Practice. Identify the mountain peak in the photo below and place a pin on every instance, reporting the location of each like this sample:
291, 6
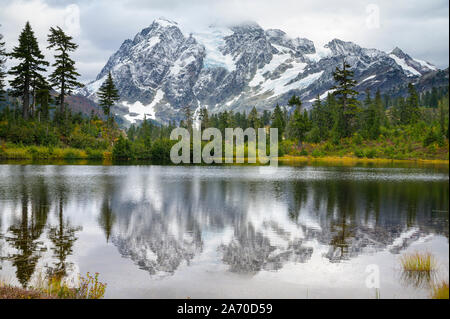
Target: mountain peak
246, 25
339, 47
275, 33
165, 22
399, 53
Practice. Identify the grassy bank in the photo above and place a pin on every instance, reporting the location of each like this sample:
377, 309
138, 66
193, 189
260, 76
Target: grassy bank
15, 152
346, 153
385, 149
55, 287
352, 160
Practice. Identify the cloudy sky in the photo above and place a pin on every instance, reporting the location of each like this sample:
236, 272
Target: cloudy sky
418, 27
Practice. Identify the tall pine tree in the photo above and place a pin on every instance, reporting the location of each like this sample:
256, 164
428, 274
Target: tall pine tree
412, 105
188, 118
64, 77
203, 116
347, 104
43, 99
371, 118
320, 116
31, 64
299, 123
108, 95
278, 122
253, 119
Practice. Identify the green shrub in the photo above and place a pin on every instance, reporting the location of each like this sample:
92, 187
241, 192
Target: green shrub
286, 147
357, 139
359, 153
328, 147
317, 153
140, 150
122, 149
371, 153
313, 136
94, 154
41, 152
71, 153
161, 150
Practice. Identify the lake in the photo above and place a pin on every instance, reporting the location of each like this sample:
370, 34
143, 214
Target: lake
225, 231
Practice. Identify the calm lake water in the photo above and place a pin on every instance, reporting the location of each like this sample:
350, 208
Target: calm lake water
224, 231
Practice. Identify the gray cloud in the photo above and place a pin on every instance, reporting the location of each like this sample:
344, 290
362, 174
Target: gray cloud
420, 28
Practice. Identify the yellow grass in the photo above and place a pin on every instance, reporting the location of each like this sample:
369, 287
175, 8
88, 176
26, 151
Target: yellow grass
418, 262
354, 160
89, 287
440, 291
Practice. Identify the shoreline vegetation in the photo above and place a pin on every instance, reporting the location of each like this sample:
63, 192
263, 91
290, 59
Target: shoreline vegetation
346, 153
56, 287
67, 154
63, 156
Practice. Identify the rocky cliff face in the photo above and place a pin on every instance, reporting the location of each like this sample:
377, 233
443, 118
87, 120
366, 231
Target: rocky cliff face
163, 69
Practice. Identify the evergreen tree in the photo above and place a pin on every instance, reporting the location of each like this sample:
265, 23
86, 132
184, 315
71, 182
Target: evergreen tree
320, 116
131, 132
253, 119
348, 105
31, 64
64, 77
2, 68
403, 111
225, 120
368, 99
331, 106
145, 132
188, 118
434, 97
203, 116
38, 83
43, 99
412, 106
266, 118
108, 95
299, 123
380, 108
371, 118
278, 122
295, 101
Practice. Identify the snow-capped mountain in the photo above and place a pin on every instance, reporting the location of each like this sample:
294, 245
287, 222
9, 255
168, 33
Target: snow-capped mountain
235, 68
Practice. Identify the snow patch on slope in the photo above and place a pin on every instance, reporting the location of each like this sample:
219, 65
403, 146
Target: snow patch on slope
280, 85
138, 111
323, 95
368, 78
180, 64
93, 87
321, 52
401, 62
213, 40
426, 64
277, 60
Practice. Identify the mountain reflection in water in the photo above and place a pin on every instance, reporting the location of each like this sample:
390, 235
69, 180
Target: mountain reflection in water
161, 217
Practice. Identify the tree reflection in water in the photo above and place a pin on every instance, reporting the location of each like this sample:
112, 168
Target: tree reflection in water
63, 238
164, 217
26, 229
